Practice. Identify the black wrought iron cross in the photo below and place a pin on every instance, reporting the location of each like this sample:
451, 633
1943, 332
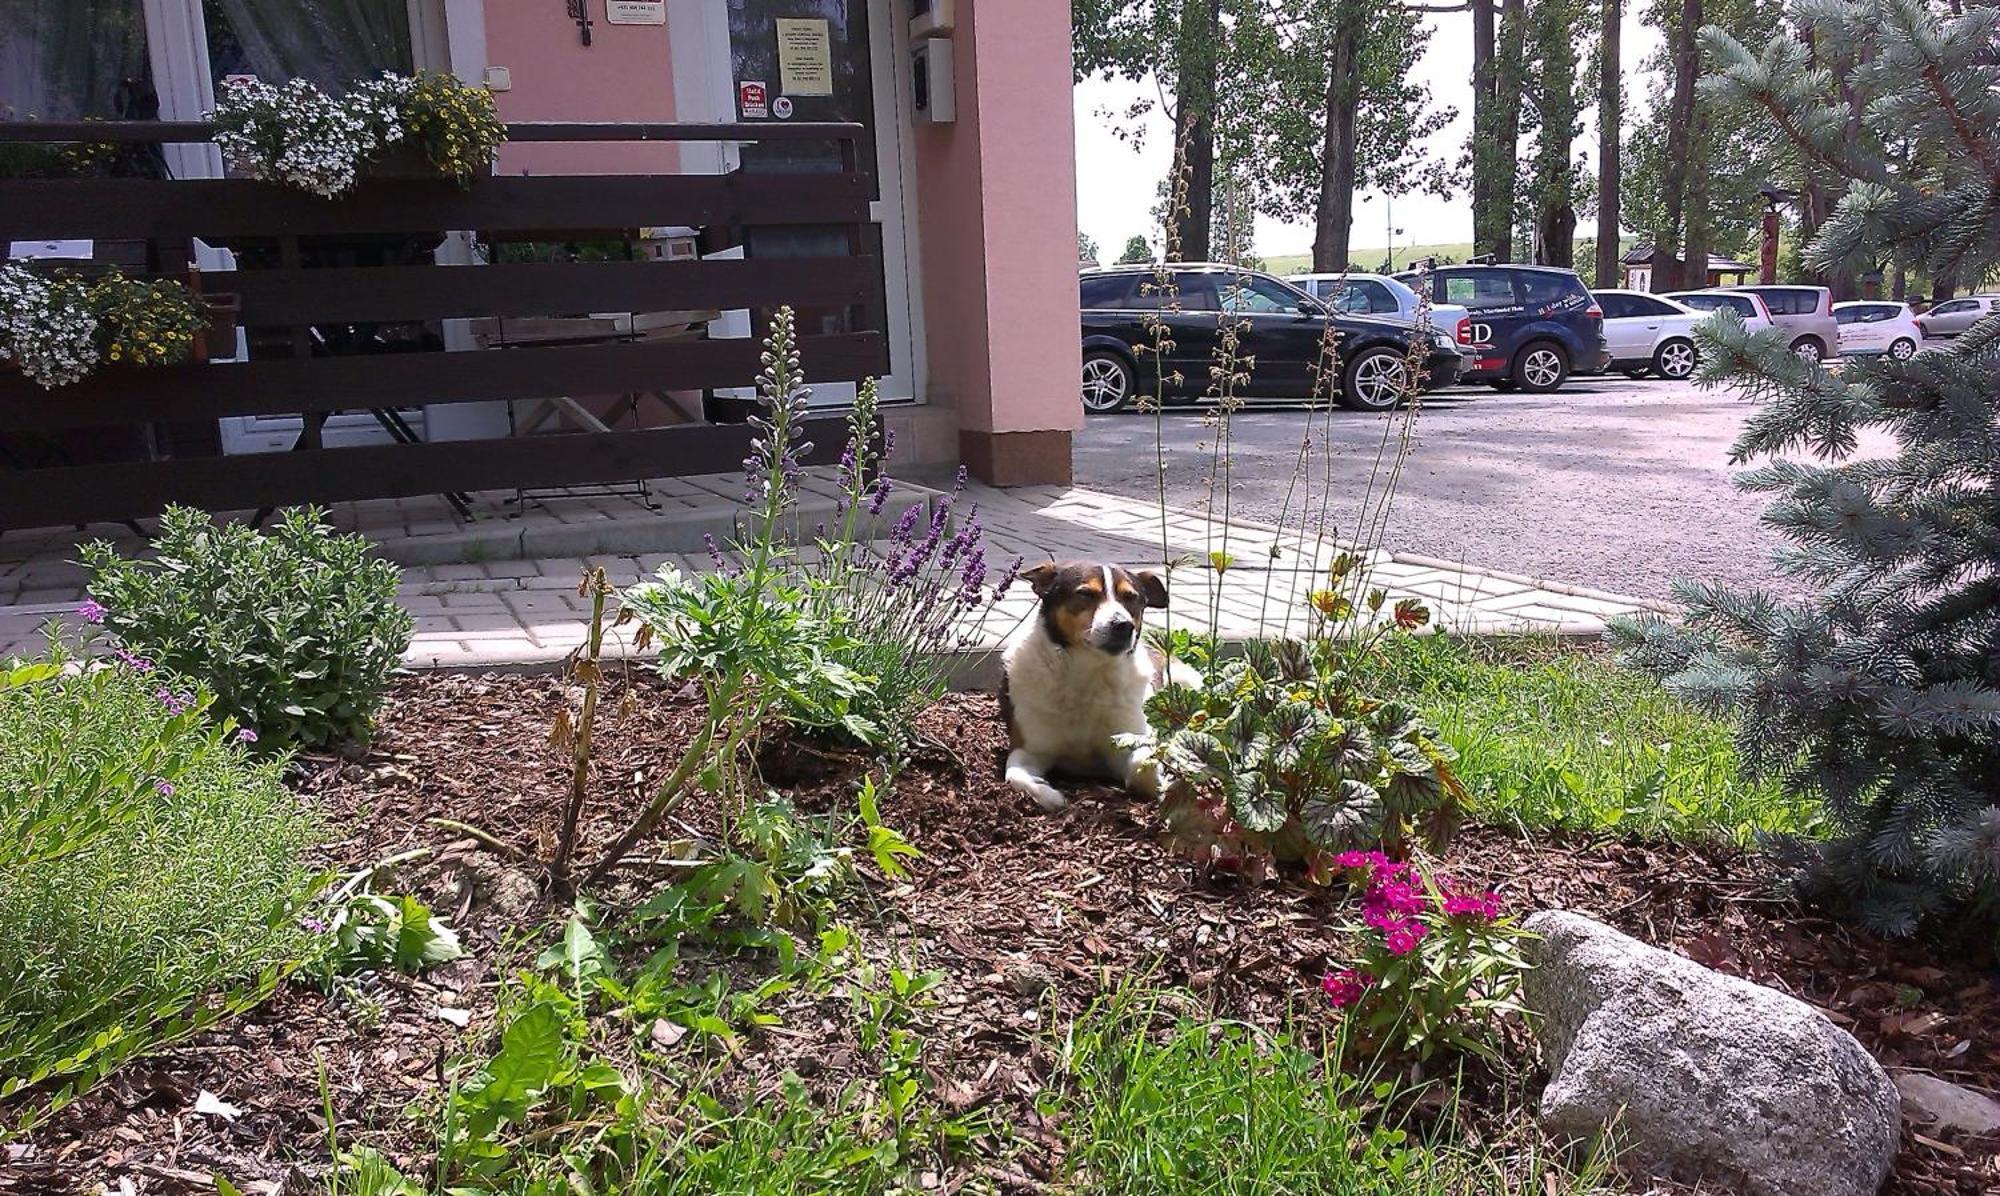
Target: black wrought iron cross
579, 11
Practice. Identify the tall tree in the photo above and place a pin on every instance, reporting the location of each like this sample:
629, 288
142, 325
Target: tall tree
1668, 272
1610, 136
1339, 115
1184, 47
1555, 29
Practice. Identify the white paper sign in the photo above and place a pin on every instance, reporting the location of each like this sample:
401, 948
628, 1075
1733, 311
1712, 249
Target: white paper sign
636, 12
805, 57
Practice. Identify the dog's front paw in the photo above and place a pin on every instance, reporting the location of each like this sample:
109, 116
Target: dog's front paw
1047, 796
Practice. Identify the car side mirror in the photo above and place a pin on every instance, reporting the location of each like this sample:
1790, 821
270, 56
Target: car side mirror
1310, 307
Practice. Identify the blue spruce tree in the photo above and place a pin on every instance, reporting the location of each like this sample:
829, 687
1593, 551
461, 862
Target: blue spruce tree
1879, 695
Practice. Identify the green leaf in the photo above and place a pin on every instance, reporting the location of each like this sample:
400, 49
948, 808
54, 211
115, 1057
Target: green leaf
1348, 813
424, 940
1257, 806
531, 1053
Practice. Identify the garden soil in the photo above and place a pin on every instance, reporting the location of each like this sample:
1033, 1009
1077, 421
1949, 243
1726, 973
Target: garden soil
1032, 918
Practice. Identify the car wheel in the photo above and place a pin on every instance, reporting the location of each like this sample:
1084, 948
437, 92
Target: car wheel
1808, 350
1107, 382
1674, 360
1903, 349
1377, 380
1540, 367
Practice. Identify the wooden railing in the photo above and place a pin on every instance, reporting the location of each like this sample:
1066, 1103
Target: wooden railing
283, 296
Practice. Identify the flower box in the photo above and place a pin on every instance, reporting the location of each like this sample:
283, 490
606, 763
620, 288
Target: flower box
407, 160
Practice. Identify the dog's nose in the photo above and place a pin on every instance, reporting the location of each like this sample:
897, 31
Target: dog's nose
1118, 637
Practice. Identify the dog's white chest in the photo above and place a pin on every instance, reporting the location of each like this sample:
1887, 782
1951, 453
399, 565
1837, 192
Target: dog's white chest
1070, 711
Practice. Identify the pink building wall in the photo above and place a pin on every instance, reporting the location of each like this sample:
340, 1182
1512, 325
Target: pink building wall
997, 208
626, 74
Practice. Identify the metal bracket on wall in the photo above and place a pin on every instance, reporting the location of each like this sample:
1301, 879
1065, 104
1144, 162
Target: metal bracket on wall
579, 11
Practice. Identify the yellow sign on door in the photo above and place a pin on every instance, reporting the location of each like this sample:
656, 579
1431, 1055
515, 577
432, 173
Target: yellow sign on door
805, 57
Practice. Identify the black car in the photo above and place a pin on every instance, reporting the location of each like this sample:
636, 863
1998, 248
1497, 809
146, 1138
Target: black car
1531, 327
1284, 333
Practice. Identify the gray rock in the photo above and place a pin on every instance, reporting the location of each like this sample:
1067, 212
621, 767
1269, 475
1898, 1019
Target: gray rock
1707, 1078
1942, 1105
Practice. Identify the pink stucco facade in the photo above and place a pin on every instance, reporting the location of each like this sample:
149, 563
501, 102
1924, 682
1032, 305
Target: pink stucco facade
626, 74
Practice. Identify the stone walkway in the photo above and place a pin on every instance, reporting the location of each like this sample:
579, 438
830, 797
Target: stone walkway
479, 607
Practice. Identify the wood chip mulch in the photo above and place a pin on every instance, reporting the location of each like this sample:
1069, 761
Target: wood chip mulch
1031, 917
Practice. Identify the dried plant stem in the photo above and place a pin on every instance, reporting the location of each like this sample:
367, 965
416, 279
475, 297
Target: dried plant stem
589, 670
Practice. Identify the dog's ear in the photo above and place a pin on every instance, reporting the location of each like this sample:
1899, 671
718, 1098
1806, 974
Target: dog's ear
1153, 588
1041, 577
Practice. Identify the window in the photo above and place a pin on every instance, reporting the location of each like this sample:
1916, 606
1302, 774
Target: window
1479, 290
1790, 301
1849, 315
1099, 292
334, 43
1953, 307
1258, 296
75, 59
1381, 300
1617, 307
1644, 305
1540, 289
1197, 292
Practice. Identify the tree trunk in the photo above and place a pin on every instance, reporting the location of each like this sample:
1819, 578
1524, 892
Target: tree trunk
1669, 254
1610, 117
1555, 234
1509, 69
1484, 127
1694, 213
1194, 124
1334, 229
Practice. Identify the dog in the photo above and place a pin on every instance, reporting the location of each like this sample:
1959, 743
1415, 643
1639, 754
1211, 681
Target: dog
1077, 677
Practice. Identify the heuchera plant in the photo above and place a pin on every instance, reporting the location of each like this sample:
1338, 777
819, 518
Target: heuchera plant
1280, 756
1438, 965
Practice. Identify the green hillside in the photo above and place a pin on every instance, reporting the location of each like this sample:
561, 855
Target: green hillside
1371, 258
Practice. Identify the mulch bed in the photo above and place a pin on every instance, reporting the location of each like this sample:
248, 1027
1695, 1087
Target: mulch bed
1031, 916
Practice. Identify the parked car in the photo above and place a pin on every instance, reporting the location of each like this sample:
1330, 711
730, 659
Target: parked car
1806, 315
1285, 331
1954, 316
1530, 326
1649, 333
1380, 295
1756, 317
1877, 326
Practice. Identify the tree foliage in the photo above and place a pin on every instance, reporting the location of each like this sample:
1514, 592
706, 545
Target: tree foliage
1880, 693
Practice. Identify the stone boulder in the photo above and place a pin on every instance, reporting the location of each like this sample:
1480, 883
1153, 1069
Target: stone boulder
1706, 1077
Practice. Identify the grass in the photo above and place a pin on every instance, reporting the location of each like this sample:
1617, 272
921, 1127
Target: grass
185, 892
1551, 736
1221, 1109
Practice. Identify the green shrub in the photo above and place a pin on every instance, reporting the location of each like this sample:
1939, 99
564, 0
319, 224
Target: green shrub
297, 632
174, 874
1280, 752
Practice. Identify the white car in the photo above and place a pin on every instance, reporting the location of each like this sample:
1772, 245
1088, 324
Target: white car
1878, 326
1954, 316
1648, 333
1381, 295
1756, 316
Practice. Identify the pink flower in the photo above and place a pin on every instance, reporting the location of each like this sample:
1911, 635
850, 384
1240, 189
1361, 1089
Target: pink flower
163, 787
1400, 896
91, 610
1404, 939
246, 735
134, 661
1484, 906
1345, 988
1370, 860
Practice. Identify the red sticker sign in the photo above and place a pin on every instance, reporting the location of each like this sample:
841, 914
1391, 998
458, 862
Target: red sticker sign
753, 100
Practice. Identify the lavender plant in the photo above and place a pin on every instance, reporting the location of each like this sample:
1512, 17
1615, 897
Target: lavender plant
900, 612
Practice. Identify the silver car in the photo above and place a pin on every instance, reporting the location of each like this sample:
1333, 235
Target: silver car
1380, 295
1806, 315
1954, 316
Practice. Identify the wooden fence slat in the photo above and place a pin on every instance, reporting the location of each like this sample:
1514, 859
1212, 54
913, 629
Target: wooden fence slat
388, 293
173, 132
222, 210
281, 386
99, 493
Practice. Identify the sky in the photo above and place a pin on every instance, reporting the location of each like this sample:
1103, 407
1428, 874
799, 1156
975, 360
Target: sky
1117, 184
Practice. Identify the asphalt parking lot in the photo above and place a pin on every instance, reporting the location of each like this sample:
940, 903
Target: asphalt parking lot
1619, 484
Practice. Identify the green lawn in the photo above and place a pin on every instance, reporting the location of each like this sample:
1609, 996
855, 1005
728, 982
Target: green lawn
1551, 735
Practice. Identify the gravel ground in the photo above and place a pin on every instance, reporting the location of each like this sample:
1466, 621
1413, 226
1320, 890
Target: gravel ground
1610, 483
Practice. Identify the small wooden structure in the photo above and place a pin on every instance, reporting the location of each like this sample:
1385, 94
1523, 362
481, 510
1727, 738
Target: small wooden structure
1642, 267
286, 292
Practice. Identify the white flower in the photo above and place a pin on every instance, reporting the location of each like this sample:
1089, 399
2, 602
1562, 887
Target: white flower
46, 327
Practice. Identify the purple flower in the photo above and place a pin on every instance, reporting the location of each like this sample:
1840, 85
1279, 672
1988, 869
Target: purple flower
888, 442
175, 703
881, 495
91, 610
714, 551
905, 525
246, 735
312, 925
1008, 579
134, 661
163, 787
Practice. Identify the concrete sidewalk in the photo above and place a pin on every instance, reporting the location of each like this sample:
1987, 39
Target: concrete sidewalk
479, 611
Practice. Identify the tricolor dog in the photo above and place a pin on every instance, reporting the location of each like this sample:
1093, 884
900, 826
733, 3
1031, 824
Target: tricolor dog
1078, 676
